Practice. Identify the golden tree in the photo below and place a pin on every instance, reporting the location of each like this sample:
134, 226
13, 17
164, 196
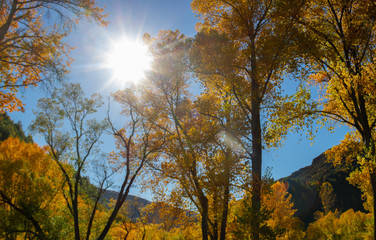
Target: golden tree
195, 162
338, 40
31, 43
242, 50
348, 225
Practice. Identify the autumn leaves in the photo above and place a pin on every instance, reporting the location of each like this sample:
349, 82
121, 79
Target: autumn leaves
201, 146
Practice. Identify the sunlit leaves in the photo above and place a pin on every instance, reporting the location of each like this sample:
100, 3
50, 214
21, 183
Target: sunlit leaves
338, 42
26, 170
347, 151
30, 184
32, 50
277, 211
289, 113
241, 52
348, 225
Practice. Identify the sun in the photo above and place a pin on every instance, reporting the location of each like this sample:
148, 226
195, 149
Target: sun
128, 60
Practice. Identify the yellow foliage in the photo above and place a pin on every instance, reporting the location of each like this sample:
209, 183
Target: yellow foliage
347, 150
31, 182
279, 215
27, 173
362, 179
282, 219
169, 216
349, 225
156, 232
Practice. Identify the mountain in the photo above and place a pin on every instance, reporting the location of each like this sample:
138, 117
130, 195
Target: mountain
109, 194
304, 186
132, 203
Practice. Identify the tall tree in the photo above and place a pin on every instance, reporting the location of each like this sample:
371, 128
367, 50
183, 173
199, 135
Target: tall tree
74, 145
243, 49
195, 160
31, 43
338, 39
164, 100
138, 142
226, 168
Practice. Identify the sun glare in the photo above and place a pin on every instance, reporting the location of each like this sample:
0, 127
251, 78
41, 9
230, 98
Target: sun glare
128, 60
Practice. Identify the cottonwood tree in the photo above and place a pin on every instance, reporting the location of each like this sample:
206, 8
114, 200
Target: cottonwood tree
226, 169
163, 100
66, 122
338, 40
31, 42
282, 220
138, 142
243, 49
211, 164
195, 163
72, 137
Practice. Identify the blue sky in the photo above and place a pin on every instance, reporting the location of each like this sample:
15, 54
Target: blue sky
133, 18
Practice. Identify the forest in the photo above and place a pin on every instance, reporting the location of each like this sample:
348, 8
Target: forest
195, 129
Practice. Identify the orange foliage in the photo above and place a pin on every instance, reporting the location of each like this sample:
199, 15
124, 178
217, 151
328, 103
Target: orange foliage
31, 49
282, 219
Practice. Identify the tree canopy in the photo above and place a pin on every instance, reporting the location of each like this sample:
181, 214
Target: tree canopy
32, 49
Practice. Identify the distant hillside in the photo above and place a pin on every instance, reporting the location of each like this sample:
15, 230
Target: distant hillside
304, 187
113, 195
133, 203
10, 129
133, 206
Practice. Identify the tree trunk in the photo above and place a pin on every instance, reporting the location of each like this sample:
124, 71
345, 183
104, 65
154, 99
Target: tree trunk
370, 145
214, 236
204, 217
91, 220
256, 153
226, 194
76, 219
373, 184
256, 172
111, 219
226, 199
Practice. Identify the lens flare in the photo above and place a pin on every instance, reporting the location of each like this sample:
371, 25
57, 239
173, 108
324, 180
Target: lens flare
129, 60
